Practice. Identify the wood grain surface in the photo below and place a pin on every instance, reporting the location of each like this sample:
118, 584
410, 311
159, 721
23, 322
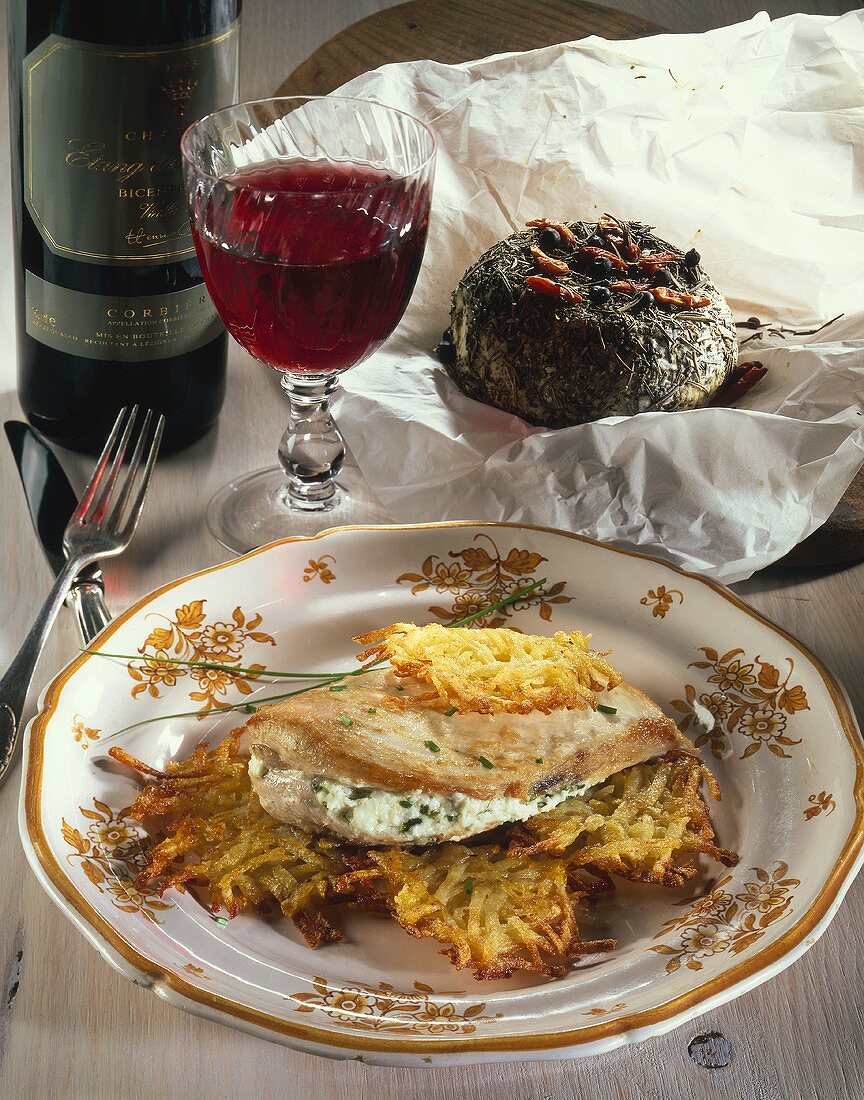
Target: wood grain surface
452, 31
72, 1029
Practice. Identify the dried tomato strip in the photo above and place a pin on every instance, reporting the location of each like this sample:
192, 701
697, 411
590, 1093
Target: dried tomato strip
667, 297
548, 263
655, 260
544, 223
627, 286
550, 289
739, 382
590, 252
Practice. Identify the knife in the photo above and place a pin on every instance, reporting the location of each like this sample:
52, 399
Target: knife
51, 501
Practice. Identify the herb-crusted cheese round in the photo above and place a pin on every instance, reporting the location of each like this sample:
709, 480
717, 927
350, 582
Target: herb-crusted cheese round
620, 322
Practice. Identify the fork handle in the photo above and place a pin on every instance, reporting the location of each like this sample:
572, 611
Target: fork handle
87, 600
16, 683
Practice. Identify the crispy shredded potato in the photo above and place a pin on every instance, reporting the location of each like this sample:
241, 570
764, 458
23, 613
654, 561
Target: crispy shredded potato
499, 914
491, 670
497, 907
645, 824
245, 857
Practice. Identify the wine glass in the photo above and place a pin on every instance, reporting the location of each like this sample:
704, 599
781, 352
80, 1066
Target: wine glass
309, 216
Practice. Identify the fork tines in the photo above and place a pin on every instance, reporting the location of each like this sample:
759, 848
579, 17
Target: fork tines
93, 508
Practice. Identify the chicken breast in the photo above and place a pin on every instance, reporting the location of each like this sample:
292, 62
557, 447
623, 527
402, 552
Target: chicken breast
354, 761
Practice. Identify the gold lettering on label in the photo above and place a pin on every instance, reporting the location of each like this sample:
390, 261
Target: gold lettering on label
142, 239
159, 210
89, 155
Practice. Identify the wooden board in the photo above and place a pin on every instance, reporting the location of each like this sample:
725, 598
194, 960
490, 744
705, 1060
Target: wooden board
841, 538
453, 31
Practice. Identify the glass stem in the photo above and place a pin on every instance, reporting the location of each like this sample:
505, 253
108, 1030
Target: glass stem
312, 450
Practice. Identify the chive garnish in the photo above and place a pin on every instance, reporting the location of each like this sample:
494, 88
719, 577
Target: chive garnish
449, 712
410, 823
486, 763
539, 760
469, 886
399, 687
404, 802
321, 678
372, 710
346, 721
360, 792
250, 708
219, 920
431, 746
606, 710
338, 687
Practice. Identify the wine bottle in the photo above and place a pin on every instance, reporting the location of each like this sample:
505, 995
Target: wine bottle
112, 307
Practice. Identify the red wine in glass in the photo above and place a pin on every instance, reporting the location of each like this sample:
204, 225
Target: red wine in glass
309, 216
311, 263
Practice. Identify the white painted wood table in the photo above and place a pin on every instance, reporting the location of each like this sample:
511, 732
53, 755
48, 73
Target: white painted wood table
70, 1027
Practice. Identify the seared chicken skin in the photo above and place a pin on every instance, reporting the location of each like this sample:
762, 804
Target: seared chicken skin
360, 764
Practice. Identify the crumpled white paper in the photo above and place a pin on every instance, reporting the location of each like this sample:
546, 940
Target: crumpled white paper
745, 142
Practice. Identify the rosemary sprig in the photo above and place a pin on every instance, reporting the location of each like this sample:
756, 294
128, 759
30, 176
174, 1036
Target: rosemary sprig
320, 678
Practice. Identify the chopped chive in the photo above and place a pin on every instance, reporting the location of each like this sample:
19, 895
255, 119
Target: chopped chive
486, 763
410, 823
346, 721
338, 687
372, 710
220, 921
606, 710
431, 746
405, 802
449, 712
469, 886
360, 792
317, 785
399, 687
539, 760
322, 678
250, 708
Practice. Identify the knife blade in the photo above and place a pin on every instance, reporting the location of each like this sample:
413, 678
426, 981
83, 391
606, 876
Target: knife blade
51, 501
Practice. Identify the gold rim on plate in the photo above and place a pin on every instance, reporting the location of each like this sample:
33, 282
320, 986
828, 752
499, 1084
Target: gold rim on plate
31, 796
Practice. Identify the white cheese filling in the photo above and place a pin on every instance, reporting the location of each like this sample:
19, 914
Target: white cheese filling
416, 815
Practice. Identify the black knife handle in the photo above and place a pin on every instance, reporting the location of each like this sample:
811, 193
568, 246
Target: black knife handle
87, 600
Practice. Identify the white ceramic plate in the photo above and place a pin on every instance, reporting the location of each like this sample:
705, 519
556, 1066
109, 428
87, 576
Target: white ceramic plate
785, 749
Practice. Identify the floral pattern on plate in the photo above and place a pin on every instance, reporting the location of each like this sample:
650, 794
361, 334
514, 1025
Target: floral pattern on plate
748, 699
383, 1009
721, 921
661, 600
481, 575
110, 855
187, 636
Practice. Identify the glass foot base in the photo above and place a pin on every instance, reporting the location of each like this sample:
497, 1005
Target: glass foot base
255, 509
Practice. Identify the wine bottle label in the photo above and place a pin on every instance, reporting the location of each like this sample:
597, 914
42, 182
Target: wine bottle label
125, 330
103, 176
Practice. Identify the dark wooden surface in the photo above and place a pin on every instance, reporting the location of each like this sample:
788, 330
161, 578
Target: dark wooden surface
452, 31
839, 540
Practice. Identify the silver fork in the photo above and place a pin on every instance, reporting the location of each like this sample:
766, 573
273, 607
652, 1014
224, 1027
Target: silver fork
101, 526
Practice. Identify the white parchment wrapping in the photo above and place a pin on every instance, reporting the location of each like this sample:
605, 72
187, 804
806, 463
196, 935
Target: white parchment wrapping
746, 142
